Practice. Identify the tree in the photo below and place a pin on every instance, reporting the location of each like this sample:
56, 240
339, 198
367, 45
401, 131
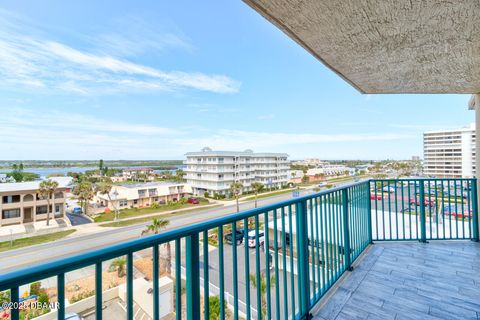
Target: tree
47, 191
179, 174
119, 265
104, 188
262, 286
257, 188
100, 165
236, 189
20, 167
85, 192
157, 225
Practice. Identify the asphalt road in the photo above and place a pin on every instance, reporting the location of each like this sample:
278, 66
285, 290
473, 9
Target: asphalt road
77, 219
30, 256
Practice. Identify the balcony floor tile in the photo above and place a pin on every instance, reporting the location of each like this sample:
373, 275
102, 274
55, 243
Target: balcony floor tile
410, 280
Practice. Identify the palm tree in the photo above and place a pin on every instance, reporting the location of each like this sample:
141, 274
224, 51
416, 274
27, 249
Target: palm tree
157, 225
263, 289
119, 265
104, 188
236, 189
257, 188
85, 192
47, 191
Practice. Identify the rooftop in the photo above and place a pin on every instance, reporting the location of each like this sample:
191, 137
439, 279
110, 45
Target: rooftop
150, 184
246, 153
63, 182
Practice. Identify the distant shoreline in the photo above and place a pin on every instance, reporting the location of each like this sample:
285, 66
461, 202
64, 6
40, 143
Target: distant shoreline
158, 165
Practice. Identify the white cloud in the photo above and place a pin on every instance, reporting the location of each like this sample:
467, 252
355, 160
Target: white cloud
34, 61
28, 133
237, 139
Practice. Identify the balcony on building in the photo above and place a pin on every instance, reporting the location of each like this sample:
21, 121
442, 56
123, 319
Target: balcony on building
375, 249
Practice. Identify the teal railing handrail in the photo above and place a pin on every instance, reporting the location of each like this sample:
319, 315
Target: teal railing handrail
310, 242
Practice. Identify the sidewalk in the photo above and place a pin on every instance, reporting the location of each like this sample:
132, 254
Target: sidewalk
160, 213
17, 231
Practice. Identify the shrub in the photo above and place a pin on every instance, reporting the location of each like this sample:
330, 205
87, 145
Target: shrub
43, 298
206, 194
214, 307
35, 288
155, 205
82, 295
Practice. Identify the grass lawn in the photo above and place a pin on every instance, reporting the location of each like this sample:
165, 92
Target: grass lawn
129, 213
266, 195
29, 241
147, 219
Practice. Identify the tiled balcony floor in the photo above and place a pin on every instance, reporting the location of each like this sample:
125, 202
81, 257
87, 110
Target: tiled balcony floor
410, 280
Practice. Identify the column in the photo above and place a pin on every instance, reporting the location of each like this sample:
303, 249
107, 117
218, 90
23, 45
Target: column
477, 149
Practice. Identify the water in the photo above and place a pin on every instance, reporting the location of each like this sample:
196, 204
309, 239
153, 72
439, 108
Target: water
45, 172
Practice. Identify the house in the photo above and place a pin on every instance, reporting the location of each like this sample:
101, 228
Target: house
21, 202
137, 174
142, 195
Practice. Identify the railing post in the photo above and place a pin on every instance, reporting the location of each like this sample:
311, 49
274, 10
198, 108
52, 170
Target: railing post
423, 226
346, 231
193, 277
475, 210
302, 259
369, 212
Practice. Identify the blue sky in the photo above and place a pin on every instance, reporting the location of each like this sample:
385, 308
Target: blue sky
155, 79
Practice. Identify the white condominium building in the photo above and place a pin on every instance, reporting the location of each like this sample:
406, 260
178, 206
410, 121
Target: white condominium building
214, 171
449, 153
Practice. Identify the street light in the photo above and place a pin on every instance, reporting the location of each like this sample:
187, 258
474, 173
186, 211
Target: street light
115, 195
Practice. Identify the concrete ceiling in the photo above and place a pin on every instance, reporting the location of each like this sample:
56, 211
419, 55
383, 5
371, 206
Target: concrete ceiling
387, 46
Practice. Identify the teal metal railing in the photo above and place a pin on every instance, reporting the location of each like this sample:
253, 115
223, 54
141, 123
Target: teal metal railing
424, 209
274, 262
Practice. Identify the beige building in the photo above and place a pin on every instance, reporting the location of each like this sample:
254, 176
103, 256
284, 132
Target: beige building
142, 195
22, 203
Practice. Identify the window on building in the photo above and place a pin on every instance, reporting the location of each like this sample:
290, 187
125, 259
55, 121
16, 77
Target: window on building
11, 213
42, 209
135, 201
11, 199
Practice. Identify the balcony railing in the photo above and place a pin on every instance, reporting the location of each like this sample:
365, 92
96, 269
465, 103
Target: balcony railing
294, 251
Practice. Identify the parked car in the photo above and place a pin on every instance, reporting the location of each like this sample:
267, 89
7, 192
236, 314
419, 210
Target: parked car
389, 189
238, 237
252, 238
77, 210
193, 201
377, 197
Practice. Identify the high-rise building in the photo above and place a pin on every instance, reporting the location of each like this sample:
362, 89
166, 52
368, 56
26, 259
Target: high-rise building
449, 153
214, 171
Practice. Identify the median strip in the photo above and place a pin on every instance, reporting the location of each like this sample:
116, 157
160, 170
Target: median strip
132, 221
29, 241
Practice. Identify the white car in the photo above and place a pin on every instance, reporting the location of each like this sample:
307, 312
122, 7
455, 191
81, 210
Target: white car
389, 189
251, 238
